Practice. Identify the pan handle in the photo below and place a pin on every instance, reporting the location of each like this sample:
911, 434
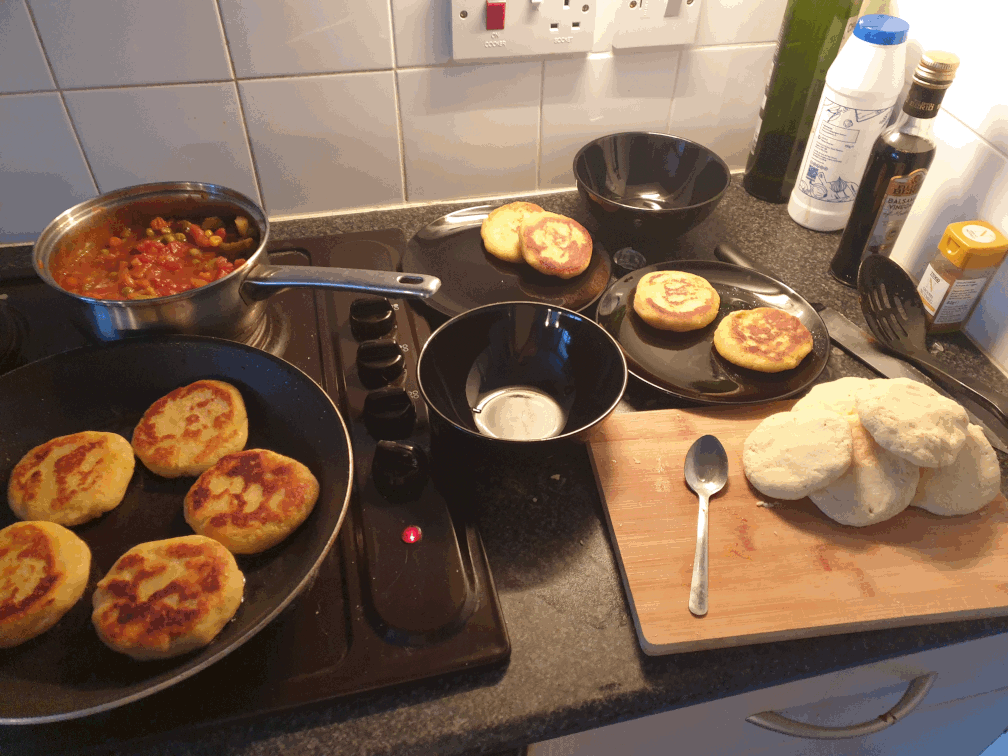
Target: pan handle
265, 280
727, 253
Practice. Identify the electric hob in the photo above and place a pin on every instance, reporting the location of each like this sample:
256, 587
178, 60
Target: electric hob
405, 593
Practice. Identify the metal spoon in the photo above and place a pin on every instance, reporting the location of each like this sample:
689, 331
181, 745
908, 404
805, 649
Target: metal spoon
706, 473
894, 313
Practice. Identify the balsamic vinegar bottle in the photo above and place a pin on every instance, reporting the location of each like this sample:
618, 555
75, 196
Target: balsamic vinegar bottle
899, 161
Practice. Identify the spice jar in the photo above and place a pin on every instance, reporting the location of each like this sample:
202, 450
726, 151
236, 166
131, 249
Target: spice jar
968, 256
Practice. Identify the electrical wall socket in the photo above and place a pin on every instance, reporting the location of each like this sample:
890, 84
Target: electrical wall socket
531, 28
655, 23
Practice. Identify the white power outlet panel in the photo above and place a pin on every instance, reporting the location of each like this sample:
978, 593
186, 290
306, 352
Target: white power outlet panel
530, 28
655, 23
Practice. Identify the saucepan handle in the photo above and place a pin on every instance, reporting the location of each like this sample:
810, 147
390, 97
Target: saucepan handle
266, 280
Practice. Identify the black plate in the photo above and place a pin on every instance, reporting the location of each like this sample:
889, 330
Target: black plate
451, 248
67, 672
686, 364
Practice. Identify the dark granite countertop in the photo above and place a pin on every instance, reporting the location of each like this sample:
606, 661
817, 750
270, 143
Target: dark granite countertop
576, 662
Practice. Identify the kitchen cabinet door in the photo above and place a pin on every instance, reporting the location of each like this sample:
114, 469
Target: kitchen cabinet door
954, 707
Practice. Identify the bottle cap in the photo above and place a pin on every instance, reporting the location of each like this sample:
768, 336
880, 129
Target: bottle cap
973, 244
880, 29
937, 68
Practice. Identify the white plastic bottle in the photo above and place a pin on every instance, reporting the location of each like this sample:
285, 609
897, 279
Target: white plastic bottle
862, 86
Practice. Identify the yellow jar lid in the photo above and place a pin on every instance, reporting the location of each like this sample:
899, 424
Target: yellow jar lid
973, 244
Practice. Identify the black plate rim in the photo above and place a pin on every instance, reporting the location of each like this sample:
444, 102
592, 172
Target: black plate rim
819, 330
471, 218
199, 663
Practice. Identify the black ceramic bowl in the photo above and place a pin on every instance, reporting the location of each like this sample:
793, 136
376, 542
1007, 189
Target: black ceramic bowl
645, 183
517, 374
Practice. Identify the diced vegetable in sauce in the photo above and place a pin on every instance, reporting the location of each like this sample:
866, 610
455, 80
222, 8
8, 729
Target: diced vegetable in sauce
161, 259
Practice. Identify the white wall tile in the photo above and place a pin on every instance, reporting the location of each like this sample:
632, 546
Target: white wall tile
584, 98
42, 169
470, 131
422, 32
23, 67
717, 98
95, 43
185, 132
735, 22
979, 95
268, 38
325, 142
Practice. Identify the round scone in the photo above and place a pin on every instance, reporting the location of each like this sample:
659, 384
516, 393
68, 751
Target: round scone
165, 598
500, 230
555, 244
71, 479
965, 485
913, 420
835, 395
878, 484
791, 454
764, 339
251, 500
674, 300
188, 430
43, 572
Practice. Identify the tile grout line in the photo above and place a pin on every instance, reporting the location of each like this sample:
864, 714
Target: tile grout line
241, 111
675, 86
62, 97
539, 140
397, 104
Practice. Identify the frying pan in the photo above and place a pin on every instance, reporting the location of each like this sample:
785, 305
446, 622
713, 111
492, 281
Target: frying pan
686, 364
67, 672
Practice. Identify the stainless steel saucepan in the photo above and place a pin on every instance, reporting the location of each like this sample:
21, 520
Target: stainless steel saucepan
231, 306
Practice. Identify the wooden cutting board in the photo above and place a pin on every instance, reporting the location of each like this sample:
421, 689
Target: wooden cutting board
783, 571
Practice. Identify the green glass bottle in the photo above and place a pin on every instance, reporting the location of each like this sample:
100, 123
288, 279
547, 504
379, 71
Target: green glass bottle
809, 40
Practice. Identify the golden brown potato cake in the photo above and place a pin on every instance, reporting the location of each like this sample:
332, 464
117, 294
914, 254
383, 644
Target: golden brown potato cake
43, 572
166, 598
251, 500
764, 339
674, 300
71, 479
500, 230
188, 430
555, 244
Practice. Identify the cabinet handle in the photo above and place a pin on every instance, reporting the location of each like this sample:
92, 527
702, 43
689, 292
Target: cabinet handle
915, 693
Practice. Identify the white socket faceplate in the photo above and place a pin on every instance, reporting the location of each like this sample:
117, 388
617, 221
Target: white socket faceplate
546, 27
655, 23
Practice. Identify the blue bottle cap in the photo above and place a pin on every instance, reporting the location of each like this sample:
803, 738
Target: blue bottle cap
879, 29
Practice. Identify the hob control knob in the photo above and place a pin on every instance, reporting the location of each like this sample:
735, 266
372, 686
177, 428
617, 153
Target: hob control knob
389, 413
399, 470
379, 363
371, 317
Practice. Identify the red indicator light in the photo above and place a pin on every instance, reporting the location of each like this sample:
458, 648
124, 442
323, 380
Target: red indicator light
495, 16
412, 534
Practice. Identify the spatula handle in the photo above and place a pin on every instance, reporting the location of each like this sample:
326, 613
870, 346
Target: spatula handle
959, 385
698, 586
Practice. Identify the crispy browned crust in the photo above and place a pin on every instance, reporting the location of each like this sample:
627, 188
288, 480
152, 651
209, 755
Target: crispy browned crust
284, 491
185, 613
32, 599
676, 300
161, 452
555, 244
764, 339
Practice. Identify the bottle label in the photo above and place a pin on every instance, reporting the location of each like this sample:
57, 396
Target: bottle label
932, 289
839, 149
979, 234
899, 198
961, 296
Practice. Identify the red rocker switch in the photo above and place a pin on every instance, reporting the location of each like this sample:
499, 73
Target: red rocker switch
495, 15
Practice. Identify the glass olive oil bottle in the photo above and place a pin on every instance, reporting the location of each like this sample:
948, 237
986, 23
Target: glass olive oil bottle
896, 170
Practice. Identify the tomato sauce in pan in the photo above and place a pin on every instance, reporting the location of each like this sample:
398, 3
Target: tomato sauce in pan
164, 258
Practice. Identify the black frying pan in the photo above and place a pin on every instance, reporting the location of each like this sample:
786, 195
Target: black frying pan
686, 364
67, 672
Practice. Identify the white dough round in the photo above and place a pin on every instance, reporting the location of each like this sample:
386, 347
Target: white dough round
878, 485
913, 421
791, 454
835, 395
972, 480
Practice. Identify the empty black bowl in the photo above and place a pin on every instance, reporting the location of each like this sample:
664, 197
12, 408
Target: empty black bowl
645, 183
520, 373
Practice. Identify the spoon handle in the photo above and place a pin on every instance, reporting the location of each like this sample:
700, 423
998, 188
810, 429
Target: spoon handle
698, 587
